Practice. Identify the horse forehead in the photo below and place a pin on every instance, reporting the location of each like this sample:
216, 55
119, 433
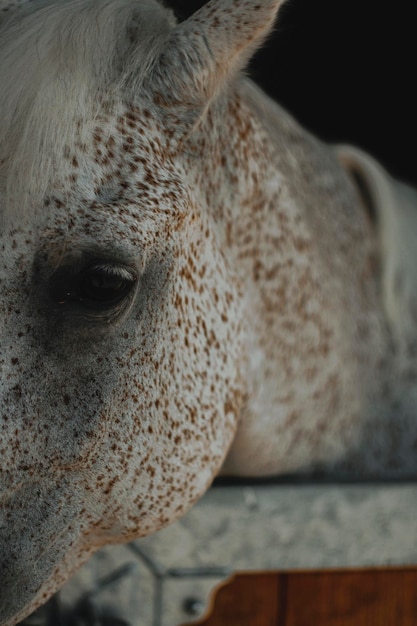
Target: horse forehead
128, 129
121, 145
123, 158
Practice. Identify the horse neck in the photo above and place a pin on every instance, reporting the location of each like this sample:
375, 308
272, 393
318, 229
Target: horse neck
288, 220
265, 179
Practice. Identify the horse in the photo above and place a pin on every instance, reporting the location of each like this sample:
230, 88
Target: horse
191, 285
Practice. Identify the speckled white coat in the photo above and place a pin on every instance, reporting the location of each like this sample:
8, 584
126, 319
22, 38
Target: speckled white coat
188, 281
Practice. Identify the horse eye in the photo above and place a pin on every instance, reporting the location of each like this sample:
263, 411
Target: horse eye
99, 286
104, 285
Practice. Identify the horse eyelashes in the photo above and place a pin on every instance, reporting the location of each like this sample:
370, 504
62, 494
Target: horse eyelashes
97, 286
105, 284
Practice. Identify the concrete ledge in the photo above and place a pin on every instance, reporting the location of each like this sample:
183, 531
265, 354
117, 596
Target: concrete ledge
249, 527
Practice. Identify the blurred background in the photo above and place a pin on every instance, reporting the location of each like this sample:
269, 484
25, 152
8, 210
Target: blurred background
346, 70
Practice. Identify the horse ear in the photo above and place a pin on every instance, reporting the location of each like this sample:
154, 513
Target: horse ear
207, 50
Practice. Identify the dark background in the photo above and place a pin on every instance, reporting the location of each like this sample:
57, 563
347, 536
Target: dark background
346, 70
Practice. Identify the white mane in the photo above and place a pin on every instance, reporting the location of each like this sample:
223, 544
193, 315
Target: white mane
55, 60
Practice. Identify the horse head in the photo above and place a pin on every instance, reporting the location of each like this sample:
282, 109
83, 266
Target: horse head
120, 322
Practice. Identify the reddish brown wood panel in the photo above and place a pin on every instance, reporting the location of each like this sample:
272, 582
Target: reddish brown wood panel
249, 600
362, 598
380, 597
